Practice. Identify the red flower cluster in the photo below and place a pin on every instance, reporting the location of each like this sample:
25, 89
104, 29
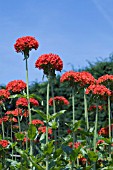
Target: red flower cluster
69, 131
71, 77
104, 78
15, 112
82, 160
4, 143
93, 107
60, 100
4, 119
16, 86
76, 144
100, 142
97, 89
86, 78
104, 131
42, 129
22, 102
49, 62
37, 122
34, 102
24, 44
4, 94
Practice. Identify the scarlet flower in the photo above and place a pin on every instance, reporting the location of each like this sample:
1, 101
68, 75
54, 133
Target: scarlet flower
60, 100
34, 102
97, 89
15, 112
23, 102
76, 144
100, 142
69, 131
26, 44
42, 129
82, 160
25, 113
4, 94
93, 107
37, 122
49, 63
4, 143
104, 131
71, 77
86, 78
105, 78
16, 86
13, 119
5, 118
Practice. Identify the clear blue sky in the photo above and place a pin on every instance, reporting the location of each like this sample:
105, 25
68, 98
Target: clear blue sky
76, 30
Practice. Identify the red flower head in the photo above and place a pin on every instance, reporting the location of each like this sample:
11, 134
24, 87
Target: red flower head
15, 112
34, 102
4, 94
49, 63
71, 77
105, 78
100, 142
16, 86
86, 78
59, 100
4, 143
97, 89
37, 122
93, 107
26, 44
42, 129
76, 144
104, 131
22, 102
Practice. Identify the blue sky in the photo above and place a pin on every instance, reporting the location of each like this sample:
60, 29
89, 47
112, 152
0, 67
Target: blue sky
76, 30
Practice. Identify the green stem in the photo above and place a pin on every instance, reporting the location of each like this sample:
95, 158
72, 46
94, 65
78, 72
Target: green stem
86, 111
54, 111
47, 114
19, 124
95, 132
73, 107
3, 133
86, 119
28, 99
12, 138
109, 118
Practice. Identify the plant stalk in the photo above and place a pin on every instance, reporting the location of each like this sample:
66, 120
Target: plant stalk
47, 114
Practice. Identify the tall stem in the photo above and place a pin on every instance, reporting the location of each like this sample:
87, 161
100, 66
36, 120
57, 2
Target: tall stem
95, 132
29, 110
86, 111
3, 134
73, 107
54, 111
47, 114
109, 118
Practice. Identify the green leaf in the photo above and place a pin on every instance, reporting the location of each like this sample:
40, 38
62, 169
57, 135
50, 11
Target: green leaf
55, 115
77, 125
41, 113
58, 152
92, 156
49, 148
19, 136
32, 132
0, 166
